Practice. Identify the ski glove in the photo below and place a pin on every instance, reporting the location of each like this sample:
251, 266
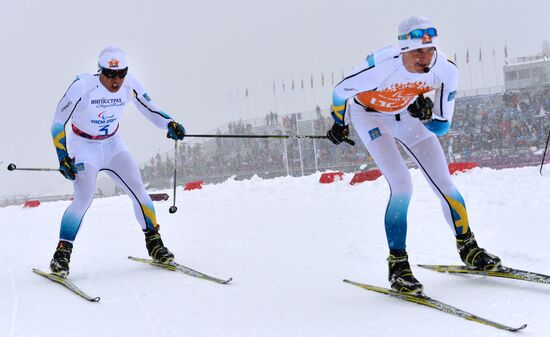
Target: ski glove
339, 133
175, 131
66, 168
421, 108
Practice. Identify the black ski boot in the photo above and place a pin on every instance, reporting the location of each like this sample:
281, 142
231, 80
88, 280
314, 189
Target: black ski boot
400, 274
156, 248
59, 264
473, 256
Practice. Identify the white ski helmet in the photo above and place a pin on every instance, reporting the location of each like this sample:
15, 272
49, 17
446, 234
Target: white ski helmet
112, 57
416, 32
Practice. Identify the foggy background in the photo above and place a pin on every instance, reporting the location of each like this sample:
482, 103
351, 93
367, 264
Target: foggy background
197, 60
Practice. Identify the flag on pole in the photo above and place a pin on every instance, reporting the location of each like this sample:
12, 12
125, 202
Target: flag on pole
246, 92
292, 84
283, 84
467, 56
505, 55
479, 54
302, 82
311, 81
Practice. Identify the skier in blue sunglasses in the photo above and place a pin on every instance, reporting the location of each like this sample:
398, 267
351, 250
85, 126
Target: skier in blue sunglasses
384, 99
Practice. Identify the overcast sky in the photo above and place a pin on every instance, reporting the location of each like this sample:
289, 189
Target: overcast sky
197, 58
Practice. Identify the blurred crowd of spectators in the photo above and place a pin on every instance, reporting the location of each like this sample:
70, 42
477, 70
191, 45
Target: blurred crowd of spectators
499, 130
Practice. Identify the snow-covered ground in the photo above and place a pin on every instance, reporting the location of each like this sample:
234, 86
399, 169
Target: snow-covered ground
287, 243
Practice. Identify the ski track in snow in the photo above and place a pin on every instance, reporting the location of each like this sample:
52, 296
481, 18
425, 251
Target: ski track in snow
288, 243
146, 313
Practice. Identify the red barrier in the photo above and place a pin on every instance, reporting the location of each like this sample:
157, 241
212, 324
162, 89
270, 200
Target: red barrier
31, 203
194, 185
159, 196
461, 167
329, 177
369, 175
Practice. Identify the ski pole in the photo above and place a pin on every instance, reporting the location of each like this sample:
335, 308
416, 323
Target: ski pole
173, 209
544, 154
12, 167
261, 136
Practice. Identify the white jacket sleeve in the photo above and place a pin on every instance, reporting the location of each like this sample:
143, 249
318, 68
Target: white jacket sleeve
362, 78
445, 95
444, 104
63, 113
146, 106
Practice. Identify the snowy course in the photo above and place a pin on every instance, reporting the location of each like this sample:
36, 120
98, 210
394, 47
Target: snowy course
287, 243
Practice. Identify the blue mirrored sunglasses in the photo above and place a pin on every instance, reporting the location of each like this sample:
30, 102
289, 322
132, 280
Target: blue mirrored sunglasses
419, 33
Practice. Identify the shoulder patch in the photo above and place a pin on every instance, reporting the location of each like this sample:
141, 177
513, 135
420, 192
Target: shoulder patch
370, 60
452, 96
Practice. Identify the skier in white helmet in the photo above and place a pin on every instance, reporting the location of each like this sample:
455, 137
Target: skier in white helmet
384, 100
91, 110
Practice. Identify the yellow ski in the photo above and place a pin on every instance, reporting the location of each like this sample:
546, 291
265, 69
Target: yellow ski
434, 304
503, 272
67, 284
174, 266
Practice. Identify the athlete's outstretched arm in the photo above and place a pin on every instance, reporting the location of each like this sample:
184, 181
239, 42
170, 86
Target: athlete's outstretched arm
146, 105
361, 79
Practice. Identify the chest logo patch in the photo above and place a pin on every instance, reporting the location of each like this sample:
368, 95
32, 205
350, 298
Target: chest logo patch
102, 115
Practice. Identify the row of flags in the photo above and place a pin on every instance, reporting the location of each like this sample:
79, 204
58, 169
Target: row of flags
293, 86
302, 85
480, 55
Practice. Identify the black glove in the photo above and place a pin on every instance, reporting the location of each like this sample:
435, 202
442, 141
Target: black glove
66, 167
338, 134
175, 131
421, 108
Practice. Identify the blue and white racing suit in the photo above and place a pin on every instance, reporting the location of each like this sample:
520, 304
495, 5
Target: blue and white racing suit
92, 113
374, 98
